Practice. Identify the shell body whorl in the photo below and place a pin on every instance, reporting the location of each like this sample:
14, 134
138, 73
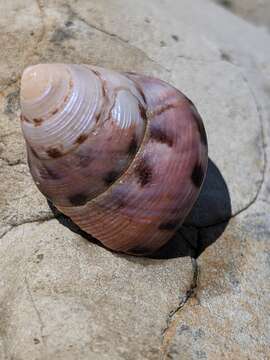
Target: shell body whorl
123, 155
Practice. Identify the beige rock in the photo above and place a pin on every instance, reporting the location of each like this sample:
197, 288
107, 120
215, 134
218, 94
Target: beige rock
230, 319
21, 28
257, 11
64, 298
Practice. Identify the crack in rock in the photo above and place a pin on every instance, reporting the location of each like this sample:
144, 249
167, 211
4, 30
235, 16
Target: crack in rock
174, 315
13, 163
263, 136
38, 221
74, 14
41, 323
262, 130
41, 6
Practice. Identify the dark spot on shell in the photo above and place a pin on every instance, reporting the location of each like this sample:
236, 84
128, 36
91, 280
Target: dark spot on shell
139, 250
147, 20
162, 109
144, 172
197, 175
23, 118
78, 199
80, 139
36, 341
133, 145
54, 153
157, 134
170, 225
162, 43
55, 111
37, 121
175, 38
111, 177
142, 112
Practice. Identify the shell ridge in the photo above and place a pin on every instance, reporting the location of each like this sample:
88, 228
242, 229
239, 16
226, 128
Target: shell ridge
137, 159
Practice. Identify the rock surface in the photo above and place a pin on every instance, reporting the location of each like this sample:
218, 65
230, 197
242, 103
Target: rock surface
228, 315
257, 11
63, 297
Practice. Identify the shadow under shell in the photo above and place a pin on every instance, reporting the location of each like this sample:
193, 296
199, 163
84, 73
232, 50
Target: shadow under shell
211, 208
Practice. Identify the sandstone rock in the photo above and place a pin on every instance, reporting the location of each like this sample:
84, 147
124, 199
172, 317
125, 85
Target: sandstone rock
257, 11
230, 317
63, 297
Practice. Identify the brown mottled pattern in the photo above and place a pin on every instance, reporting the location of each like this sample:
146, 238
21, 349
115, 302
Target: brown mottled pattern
54, 153
162, 108
142, 210
143, 172
158, 134
95, 162
80, 139
143, 112
37, 122
133, 146
23, 118
111, 176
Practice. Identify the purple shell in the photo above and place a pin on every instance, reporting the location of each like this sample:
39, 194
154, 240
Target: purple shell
123, 155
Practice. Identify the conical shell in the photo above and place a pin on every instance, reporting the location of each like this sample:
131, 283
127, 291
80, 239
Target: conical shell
123, 155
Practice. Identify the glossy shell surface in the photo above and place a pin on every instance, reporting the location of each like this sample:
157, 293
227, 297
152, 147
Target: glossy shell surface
123, 155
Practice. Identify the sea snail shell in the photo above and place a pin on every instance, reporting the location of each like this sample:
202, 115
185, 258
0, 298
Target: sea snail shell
123, 155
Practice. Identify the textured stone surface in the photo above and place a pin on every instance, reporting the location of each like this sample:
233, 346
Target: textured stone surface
229, 315
257, 11
62, 297
21, 28
65, 298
